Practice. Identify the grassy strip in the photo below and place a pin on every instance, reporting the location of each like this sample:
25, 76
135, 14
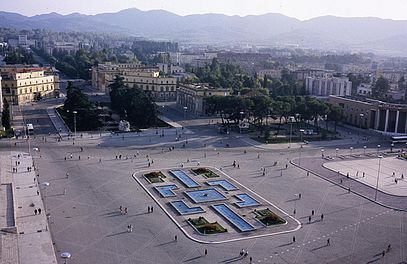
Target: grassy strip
207, 173
268, 218
154, 177
206, 228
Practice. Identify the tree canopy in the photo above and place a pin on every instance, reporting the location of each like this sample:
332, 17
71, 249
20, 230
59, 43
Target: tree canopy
133, 104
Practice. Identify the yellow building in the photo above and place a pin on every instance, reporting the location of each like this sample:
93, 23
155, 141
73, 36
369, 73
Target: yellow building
191, 97
22, 85
136, 76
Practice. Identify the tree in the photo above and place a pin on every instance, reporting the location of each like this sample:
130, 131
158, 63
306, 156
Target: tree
133, 104
86, 117
380, 88
5, 117
335, 114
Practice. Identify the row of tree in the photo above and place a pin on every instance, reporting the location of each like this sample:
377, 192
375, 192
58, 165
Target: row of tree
134, 105
259, 108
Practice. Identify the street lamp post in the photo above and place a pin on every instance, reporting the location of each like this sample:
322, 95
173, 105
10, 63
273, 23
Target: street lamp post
391, 147
74, 121
65, 256
291, 131
351, 149
377, 180
364, 150
336, 152
241, 121
360, 121
322, 153
45, 185
378, 149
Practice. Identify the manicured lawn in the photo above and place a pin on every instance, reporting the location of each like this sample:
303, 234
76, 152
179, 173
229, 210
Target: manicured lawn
204, 227
154, 177
268, 218
207, 173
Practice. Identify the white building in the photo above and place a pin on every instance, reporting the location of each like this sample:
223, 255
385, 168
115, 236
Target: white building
364, 89
340, 86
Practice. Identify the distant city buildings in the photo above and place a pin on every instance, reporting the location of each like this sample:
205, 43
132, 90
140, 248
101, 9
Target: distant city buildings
193, 59
22, 84
191, 97
136, 75
1, 99
271, 73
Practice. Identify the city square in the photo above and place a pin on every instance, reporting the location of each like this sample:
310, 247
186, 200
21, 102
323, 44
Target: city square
84, 216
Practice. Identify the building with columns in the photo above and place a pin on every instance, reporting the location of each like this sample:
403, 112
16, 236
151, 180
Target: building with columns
318, 86
373, 114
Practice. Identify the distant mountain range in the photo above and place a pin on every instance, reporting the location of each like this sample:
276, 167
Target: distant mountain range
327, 32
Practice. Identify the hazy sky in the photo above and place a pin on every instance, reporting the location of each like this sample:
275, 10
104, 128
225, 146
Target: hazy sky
302, 9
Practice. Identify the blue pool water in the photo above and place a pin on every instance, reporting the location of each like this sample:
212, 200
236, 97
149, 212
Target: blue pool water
166, 190
246, 200
226, 185
208, 195
185, 179
233, 218
183, 209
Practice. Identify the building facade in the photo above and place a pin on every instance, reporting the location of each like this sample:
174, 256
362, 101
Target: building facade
373, 114
164, 89
328, 86
22, 85
191, 97
1, 99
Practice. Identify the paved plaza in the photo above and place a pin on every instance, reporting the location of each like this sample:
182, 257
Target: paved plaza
391, 175
91, 178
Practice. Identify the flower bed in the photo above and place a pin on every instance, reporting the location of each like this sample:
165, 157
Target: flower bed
268, 218
207, 173
154, 177
206, 228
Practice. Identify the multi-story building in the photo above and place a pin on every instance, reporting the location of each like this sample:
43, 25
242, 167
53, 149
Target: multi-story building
373, 114
191, 97
1, 99
364, 89
136, 76
21, 84
272, 73
328, 86
303, 74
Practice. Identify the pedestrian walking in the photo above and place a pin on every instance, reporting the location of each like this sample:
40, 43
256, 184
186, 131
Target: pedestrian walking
35, 211
67, 175
39, 210
307, 173
128, 228
131, 228
206, 252
293, 239
251, 259
176, 238
349, 190
309, 219
152, 209
64, 191
383, 253
286, 166
241, 252
388, 248
341, 181
299, 195
312, 212
363, 175
125, 210
322, 217
148, 209
38, 192
121, 209
328, 242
